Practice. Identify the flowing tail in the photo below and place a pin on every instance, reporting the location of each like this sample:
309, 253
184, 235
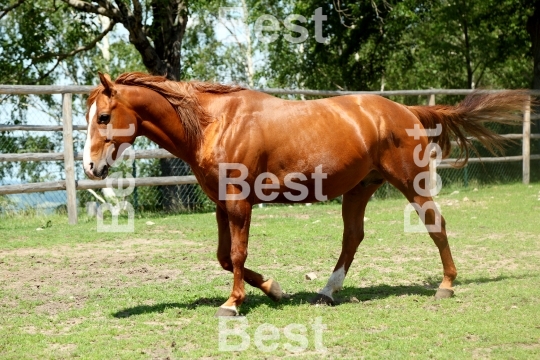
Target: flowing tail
465, 120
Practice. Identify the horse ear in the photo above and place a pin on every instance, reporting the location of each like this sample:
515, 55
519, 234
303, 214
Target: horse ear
106, 82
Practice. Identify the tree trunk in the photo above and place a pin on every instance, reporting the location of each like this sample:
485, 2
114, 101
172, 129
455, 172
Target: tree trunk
170, 18
167, 31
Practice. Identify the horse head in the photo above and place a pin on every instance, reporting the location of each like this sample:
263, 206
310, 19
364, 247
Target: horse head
112, 128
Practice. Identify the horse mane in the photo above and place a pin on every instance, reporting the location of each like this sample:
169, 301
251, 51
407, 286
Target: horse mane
180, 94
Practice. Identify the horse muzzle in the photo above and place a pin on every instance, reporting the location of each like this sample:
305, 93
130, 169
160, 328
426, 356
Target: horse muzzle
98, 172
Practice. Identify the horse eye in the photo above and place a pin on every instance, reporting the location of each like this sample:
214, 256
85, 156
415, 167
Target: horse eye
104, 118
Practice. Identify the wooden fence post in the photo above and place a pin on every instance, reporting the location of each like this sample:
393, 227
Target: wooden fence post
527, 143
431, 99
69, 161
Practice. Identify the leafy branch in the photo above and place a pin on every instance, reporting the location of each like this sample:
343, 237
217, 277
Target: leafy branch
7, 9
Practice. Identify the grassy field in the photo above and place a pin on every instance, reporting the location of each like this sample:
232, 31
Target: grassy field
68, 291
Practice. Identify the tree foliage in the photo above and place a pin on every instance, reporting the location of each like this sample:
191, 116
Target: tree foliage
370, 44
411, 44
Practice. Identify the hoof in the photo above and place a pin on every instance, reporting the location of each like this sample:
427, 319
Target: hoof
275, 292
444, 293
322, 299
226, 311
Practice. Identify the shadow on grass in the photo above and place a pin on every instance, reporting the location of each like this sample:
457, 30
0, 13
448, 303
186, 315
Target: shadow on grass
483, 280
347, 295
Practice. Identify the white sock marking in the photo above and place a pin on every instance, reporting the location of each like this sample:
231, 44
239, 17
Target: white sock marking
335, 283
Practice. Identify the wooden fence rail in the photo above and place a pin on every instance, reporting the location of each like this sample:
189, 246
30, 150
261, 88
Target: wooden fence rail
71, 185
58, 156
85, 89
95, 184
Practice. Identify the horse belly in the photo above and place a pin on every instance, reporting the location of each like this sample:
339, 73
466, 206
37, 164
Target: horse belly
323, 180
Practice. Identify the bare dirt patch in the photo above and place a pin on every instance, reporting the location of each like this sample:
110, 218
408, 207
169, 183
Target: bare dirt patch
63, 277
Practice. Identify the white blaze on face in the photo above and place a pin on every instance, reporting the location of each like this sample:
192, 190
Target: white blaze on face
334, 283
86, 154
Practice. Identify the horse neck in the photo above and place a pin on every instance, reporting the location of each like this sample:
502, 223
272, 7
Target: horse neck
159, 122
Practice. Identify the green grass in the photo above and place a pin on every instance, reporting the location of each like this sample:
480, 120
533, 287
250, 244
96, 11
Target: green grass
69, 291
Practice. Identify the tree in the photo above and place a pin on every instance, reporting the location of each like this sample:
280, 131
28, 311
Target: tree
410, 44
156, 29
40, 37
351, 56
461, 44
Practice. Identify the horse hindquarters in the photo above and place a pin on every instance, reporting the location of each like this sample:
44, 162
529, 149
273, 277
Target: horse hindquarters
458, 122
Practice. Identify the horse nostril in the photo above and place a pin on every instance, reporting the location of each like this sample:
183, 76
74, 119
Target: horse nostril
91, 165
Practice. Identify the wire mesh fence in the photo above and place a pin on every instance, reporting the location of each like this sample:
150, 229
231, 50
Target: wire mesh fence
47, 110
173, 198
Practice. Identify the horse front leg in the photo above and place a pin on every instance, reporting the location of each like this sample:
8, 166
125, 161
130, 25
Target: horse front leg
239, 216
270, 287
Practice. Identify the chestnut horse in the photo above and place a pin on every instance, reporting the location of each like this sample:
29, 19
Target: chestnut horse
349, 145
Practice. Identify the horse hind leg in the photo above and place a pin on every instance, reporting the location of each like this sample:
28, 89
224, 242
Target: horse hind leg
353, 210
436, 225
434, 222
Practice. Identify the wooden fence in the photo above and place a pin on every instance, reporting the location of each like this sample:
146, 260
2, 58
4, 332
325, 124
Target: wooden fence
70, 184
